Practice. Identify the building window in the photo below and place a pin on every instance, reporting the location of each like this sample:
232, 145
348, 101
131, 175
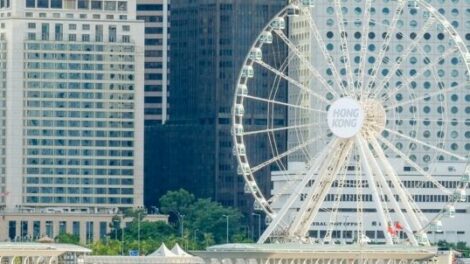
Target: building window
62, 227
112, 34
43, 3
56, 3
83, 4
49, 229
76, 228
12, 230
30, 3
36, 229
103, 229
24, 229
45, 31
89, 231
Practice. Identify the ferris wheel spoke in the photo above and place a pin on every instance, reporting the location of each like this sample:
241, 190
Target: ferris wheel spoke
326, 54
310, 67
389, 193
359, 193
408, 81
424, 97
279, 217
431, 21
292, 81
272, 130
385, 46
286, 153
364, 44
415, 166
443, 151
344, 44
366, 160
405, 197
283, 104
338, 197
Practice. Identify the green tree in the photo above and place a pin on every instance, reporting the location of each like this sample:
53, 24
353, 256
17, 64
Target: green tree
211, 217
66, 238
176, 202
203, 216
110, 248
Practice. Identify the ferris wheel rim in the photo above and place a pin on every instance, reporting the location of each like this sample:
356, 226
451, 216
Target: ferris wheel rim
239, 99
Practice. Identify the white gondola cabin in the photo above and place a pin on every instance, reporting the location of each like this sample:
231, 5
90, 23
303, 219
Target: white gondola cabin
243, 168
449, 211
460, 195
278, 23
238, 130
239, 110
239, 149
413, 4
308, 3
465, 178
467, 58
293, 11
436, 226
256, 54
242, 90
266, 37
248, 72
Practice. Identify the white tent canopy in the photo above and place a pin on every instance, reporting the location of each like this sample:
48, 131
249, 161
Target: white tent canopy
163, 251
177, 250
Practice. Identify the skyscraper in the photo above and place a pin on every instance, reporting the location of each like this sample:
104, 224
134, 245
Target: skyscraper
156, 15
209, 41
72, 104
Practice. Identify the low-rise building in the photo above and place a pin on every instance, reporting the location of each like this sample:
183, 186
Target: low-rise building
89, 226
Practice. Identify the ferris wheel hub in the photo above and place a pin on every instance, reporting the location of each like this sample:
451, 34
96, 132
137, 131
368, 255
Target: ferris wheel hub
375, 118
345, 117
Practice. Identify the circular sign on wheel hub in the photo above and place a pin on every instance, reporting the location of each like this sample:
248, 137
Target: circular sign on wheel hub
345, 117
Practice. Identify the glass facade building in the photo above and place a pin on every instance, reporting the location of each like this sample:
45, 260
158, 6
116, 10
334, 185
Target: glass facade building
209, 41
72, 104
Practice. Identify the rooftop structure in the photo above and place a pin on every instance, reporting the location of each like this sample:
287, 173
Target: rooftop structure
42, 253
308, 253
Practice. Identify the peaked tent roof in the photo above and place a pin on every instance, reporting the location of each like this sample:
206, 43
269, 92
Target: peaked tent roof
163, 251
177, 250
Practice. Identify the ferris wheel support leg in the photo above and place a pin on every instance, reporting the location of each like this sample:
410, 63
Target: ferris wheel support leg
390, 172
322, 186
382, 181
362, 145
294, 195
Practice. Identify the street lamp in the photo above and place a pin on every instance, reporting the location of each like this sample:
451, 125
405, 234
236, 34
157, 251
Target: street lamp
226, 216
138, 230
195, 238
259, 223
180, 220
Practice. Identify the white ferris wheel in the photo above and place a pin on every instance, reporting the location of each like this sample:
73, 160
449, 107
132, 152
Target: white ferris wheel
356, 96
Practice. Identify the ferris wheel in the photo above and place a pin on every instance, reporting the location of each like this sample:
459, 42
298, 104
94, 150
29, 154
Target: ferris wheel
364, 84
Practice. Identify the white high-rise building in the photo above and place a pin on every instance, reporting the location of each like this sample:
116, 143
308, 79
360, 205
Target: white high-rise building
156, 15
72, 104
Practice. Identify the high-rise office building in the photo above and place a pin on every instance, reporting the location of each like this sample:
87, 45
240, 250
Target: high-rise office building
209, 41
156, 15
72, 105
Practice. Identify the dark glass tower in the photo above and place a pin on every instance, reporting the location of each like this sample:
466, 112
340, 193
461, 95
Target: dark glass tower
209, 41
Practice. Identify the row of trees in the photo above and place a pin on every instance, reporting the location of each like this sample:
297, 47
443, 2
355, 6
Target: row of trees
193, 223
